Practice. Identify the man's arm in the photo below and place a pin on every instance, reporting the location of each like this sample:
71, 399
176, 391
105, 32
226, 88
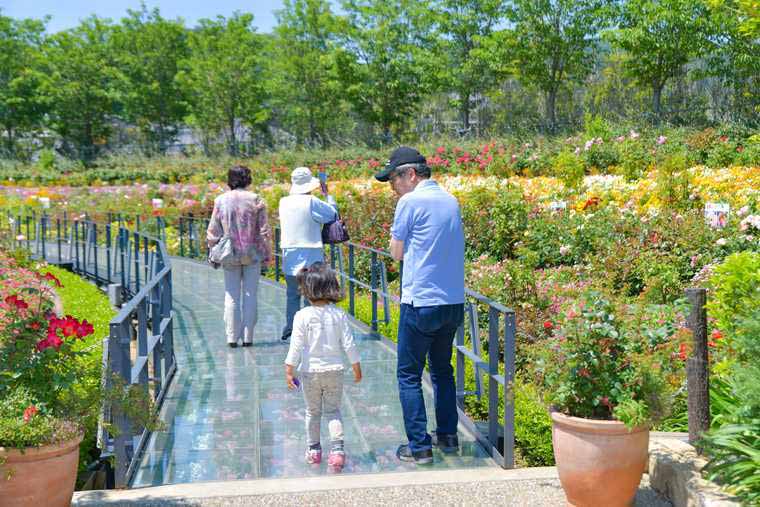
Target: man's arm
397, 249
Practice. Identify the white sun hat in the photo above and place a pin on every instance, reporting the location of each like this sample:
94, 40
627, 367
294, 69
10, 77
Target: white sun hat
302, 181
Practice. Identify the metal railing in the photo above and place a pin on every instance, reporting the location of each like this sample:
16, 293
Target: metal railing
139, 349
496, 367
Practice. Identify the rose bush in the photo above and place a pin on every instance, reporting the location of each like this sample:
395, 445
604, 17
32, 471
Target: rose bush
612, 361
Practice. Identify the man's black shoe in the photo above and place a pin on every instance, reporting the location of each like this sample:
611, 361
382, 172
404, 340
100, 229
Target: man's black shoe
446, 443
404, 453
247, 344
285, 337
233, 345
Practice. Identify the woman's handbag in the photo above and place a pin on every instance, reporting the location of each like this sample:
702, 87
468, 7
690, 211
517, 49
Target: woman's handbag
335, 232
223, 251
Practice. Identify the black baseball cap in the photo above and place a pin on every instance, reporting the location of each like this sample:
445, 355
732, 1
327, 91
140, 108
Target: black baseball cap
401, 156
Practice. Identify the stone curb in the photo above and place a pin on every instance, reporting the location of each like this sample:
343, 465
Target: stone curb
257, 487
675, 472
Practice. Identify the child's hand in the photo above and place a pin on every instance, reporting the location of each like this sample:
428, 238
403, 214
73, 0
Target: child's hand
291, 381
357, 372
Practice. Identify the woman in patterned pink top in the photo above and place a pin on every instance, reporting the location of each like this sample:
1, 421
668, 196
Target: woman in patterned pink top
241, 215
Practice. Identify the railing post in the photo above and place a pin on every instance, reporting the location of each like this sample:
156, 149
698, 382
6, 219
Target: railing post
136, 239
697, 368
122, 263
76, 246
28, 234
108, 250
58, 238
460, 367
277, 261
119, 344
493, 370
373, 285
146, 263
181, 237
351, 284
44, 235
94, 226
510, 332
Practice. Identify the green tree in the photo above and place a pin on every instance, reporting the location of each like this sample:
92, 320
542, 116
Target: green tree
660, 37
224, 78
149, 49
22, 105
734, 56
553, 42
465, 24
304, 88
82, 87
385, 64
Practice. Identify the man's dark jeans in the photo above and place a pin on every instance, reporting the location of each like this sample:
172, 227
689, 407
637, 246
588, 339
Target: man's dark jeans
427, 332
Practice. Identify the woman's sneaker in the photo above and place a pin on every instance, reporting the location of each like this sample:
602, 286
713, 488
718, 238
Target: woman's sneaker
313, 456
336, 459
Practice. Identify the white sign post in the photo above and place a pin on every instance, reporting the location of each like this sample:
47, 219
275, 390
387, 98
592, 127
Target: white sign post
716, 214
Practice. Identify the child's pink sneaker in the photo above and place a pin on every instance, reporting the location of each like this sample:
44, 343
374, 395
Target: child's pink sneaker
336, 459
313, 456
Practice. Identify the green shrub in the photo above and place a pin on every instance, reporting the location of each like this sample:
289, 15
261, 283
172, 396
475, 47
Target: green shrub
635, 159
600, 157
496, 220
734, 450
673, 183
736, 291
569, 168
533, 426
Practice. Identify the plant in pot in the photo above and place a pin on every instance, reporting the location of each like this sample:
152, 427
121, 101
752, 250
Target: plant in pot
609, 372
44, 399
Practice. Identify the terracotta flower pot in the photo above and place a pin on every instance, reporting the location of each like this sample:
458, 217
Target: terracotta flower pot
40, 476
599, 462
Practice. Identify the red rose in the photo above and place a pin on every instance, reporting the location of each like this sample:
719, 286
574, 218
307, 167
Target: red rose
69, 326
716, 334
84, 329
682, 352
30, 412
17, 302
548, 325
52, 278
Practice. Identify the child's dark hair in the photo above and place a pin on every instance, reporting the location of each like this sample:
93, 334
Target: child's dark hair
319, 282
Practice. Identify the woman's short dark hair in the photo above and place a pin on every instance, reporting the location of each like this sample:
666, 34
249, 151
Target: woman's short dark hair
319, 282
238, 177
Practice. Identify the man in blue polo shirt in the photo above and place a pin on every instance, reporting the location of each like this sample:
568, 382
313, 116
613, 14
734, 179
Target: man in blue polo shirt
427, 234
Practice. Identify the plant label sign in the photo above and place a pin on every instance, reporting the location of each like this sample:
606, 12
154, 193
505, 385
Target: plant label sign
716, 213
558, 205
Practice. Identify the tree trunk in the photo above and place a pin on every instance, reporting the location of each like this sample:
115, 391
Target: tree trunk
232, 141
464, 110
387, 138
657, 101
9, 141
551, 114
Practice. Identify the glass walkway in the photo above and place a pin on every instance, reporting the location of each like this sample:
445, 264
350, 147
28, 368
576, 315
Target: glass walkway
229, 414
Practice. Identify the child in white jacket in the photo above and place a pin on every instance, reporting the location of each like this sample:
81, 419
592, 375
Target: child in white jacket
321, 333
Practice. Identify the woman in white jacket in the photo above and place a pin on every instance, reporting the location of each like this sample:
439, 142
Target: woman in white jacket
301, 218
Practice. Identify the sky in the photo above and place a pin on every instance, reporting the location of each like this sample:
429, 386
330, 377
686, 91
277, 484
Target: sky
67, 13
